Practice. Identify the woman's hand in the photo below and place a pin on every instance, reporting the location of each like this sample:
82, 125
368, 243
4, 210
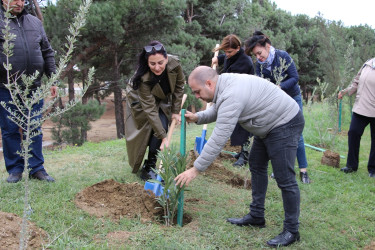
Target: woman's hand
191, 117
215, 61
177, 117
164, 144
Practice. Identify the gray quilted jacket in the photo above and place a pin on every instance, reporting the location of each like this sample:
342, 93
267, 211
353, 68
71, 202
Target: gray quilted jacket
257, 104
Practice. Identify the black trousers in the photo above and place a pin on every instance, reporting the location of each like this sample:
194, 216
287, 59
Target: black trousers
357, 126
154, 142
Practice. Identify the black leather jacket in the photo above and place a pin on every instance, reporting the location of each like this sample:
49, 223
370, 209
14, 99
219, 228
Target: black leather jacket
31, 52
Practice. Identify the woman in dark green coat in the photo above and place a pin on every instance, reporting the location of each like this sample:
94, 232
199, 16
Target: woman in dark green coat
154, 98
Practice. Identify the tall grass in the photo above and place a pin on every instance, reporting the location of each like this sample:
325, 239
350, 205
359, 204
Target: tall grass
337, 209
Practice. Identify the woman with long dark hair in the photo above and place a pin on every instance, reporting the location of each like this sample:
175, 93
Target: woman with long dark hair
153, 99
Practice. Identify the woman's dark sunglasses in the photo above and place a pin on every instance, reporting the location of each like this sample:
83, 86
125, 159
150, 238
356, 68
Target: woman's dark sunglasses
157, 48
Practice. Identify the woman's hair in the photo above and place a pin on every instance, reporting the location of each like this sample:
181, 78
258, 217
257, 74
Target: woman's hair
258, 38
229, 42
152, 48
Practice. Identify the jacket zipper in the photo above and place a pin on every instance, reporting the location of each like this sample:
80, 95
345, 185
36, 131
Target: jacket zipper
25, 46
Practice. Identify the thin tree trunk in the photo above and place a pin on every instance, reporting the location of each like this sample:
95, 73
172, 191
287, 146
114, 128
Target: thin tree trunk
71, 85
38, 12
119, 109
84, 76
84, 101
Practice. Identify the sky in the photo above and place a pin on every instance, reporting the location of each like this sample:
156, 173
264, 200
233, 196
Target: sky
349, 12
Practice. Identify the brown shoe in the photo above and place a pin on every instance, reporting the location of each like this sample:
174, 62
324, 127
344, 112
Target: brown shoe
14, 177
42, 176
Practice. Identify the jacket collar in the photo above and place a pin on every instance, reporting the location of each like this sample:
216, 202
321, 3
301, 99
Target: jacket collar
236, 56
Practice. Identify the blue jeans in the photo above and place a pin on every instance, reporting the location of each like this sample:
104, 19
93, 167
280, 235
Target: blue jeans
301, 154
357, 126
11, 137
280, 146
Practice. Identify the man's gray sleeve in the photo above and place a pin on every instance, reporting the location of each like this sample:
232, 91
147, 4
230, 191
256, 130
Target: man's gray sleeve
227, 117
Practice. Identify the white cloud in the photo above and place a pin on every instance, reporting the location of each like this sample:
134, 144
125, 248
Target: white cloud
349, 12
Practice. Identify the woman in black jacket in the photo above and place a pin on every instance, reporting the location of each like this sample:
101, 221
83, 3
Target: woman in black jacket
236, 61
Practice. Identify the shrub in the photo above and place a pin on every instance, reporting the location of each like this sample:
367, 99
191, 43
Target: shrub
72, 126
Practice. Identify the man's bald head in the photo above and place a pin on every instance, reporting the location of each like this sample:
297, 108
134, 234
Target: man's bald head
203, 73
202, 82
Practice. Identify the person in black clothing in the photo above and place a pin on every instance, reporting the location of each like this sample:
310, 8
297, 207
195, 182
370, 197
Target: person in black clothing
236, 61
31, 52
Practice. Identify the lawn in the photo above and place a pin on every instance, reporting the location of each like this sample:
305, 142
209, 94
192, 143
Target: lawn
337, 209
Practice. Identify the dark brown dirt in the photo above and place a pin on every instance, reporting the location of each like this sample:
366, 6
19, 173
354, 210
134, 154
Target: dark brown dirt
330, 158
116, 200
218, 172
10, 233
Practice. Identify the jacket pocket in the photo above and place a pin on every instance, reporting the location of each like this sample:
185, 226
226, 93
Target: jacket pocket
135, 107
138, 114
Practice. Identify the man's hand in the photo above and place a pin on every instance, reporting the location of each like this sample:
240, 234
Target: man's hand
53, 91
341, 94
186, 177
191, 117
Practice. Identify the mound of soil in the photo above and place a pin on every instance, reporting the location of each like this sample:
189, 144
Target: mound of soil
219, 173
10, 233
330, 158
116, 200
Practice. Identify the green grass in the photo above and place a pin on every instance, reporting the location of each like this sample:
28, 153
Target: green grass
337, 209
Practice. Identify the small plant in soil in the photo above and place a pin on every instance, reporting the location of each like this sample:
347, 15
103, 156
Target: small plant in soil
173, 163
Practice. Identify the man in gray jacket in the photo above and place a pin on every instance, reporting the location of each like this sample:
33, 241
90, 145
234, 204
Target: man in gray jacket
277, 123
31, 52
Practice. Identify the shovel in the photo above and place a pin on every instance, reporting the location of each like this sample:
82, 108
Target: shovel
154, 187
201, 141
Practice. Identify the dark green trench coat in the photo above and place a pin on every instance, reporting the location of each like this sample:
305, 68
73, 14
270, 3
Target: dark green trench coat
142, 110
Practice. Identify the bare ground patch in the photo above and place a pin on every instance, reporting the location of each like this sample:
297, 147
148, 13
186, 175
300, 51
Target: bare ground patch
116, 200
218, 172
10, 232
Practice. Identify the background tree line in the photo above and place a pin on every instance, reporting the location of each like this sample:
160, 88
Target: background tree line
117, 30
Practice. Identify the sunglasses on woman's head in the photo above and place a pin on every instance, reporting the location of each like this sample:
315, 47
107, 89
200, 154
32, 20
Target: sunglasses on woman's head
157, 47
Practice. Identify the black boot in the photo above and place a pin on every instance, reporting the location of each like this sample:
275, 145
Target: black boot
242, 159
147, 171
248, 220
237, 155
